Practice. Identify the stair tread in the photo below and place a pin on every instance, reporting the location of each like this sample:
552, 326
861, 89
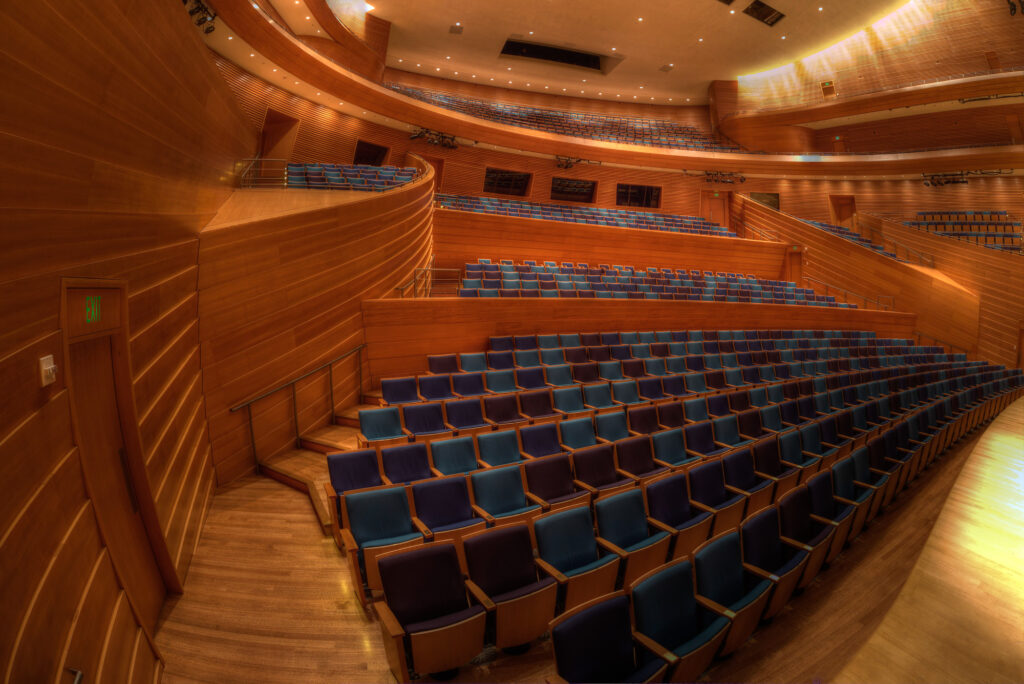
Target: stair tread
353, 411
310, 468
343, 437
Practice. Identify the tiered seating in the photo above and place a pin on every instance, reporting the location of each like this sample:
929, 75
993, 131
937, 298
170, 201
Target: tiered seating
993, 229
528, 279
617, 129
348, 176
593, 215
852, 236
708, 522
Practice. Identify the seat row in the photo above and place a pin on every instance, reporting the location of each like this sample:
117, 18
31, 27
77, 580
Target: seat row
348, 176
852, 236
426, 421
620, 129
587, 215
681, 564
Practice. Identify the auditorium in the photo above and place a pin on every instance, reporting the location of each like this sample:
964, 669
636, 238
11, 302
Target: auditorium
437, 340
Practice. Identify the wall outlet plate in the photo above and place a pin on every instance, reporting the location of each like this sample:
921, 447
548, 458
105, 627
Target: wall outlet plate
47, 371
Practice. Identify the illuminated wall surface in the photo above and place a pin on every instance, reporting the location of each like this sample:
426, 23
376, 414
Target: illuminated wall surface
925, 40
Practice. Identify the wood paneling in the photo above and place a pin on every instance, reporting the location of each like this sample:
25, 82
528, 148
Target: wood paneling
119, 141
279, 295
944, 309
970, 127
918, 42
290, 54
401, 332
997, 278
463, 237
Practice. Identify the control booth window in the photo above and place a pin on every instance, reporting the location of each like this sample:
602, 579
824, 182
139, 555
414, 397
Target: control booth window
638, 196
572, 190
769, 199
501, 182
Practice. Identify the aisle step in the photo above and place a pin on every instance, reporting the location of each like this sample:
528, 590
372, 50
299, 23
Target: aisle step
305, 471
350, 415
331, 439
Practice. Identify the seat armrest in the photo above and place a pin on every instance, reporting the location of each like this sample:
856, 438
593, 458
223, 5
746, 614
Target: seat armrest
451, 427
479, 595
602, 440
848, 502
810, 454
703, 507
436, 472
824, 521
610, 547
736, 490
550, 570
764, 574
865, 485
723, 444
658, 525
663, 464
634, 433
525, 456
585, 486
766, 476
714, 607
537, 500
348, 540
655, 648
795, 544
483, 514
424, 530
694, 454
830, 445
388, 620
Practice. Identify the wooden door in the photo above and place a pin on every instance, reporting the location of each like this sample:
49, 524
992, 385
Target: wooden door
842, 208
108, 474
714, 206
438, 165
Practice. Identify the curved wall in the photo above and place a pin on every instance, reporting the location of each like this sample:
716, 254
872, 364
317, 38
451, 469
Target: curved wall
119, 140
279, 295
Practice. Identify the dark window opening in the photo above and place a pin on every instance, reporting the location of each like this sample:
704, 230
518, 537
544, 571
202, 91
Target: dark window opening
548, 53
769, 199
638, 196
501, 182
369, 154
572, 190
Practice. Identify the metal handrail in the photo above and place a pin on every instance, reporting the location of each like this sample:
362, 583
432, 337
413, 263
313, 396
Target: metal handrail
846, 293
246, 178
770, 234
329, 365
922, 258
953, 347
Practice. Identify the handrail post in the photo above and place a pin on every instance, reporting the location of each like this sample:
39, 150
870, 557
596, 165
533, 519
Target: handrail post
330, 387
359, 365
295, 415
252, 438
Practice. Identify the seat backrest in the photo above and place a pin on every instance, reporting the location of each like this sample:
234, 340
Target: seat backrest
382, 423
695, 409
598, 395
761, 544
568, 399
423, 418
498, 490
795, 514
468, 384
577, 432
790, 447
719, 568
500, 560
442, 501
595, 644
700, 437
501, 408
464, 413
621, 518
435, 387
354, 470
405, 462
635, 455
566, 539
738, 468
404, 576
726, 429
643, 419
399, 390
378, 514
823, 502
540, 440
453, 456
536, 403
664, 607
550, 477
595, 465
611, 426
498, 448
707, 483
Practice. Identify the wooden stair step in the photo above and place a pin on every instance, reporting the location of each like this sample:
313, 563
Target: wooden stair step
306, 471
331, 439
350, 415
373, 397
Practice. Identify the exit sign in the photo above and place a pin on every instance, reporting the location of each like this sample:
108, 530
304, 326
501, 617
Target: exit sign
92, 310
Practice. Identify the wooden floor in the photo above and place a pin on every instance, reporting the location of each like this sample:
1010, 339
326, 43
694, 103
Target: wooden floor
268, 597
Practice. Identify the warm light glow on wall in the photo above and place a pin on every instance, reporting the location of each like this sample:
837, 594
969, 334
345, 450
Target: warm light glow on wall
863, 54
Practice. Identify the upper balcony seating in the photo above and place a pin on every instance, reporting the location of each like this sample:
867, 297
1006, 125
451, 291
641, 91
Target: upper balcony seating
348, 176
509, 279
617, 129
852, 236
993, 229
623, 218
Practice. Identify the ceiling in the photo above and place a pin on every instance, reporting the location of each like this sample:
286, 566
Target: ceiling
703, 40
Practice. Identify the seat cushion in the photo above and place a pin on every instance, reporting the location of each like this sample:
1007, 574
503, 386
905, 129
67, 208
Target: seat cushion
644, 543
444, 620
751, 596
646, 671
524, 590
567, 497
389, 540
702, 637
456, 525
616, 483
517, 511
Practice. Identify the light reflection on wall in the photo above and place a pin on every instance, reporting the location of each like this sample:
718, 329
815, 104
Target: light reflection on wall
922, 40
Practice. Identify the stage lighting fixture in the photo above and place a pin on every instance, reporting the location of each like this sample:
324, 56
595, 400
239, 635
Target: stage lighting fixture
196, 10
209, 28
1013, 8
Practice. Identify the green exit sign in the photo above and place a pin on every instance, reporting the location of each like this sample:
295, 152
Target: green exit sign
93, 312
716, 194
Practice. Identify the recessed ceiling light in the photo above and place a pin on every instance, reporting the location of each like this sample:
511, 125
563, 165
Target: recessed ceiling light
613, 49
296, 83
527, 85
456, 73
473, 76
581, 92
639, 18
634, 97
652, 98
230, 38
531, 33
641, 87
700, 40
670, 99
783, 37
342, 104
252, 54
600, 93
417, 64
671, 65
458, 23
448, 57
437, 68
687, 99
492, 78
399, 61
732, 11
275, 69
563, 90
618, 95
820, 8
545, 87
584, 80
510, 68
318, 93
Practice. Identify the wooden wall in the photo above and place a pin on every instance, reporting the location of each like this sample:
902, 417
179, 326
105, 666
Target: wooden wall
400, 333
944, 309
279, 295
997, 278
921, 41
119, 140
963, 128
463, 237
